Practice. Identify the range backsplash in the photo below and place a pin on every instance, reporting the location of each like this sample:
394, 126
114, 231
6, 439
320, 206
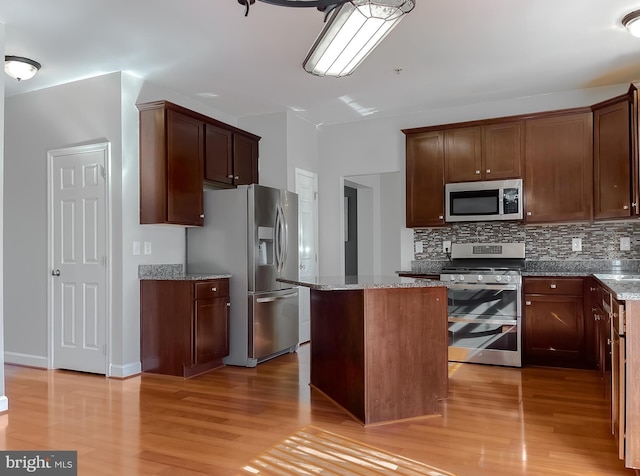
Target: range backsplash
543, 242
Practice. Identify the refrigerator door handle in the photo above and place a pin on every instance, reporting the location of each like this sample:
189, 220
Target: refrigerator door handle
285, 241
277, 298
278, 244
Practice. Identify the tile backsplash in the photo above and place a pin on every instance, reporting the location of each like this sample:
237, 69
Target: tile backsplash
543, 242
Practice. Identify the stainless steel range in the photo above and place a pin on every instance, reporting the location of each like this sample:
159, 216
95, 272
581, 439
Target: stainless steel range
485, 302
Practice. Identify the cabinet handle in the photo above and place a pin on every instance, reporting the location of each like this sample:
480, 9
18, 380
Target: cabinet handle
477, 172
440, 217
202, 215
596, 317
528, 214
626, 207
236, 177
228, 304
553, 286
593, 309
592, 289
528, 303
633, 204
488, 171
214, 289
230, 176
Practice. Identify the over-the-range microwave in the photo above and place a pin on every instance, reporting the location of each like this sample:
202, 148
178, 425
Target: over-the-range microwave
484, 201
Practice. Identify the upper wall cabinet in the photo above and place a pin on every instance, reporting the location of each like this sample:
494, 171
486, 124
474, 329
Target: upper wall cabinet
425, 179
171, 159
559, 171
231, 157
180, 150
487, 152
612, 183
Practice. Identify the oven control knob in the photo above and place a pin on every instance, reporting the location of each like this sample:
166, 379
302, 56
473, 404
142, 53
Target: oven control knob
479, 277
508, 278
461, 278
452, 277
498, 278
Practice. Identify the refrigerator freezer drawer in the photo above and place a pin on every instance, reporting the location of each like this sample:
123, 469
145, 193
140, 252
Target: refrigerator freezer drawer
273, 317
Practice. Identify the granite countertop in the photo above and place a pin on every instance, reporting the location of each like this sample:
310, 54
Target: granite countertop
337, 283
174, 272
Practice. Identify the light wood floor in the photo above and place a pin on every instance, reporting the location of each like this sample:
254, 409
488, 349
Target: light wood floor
497, 421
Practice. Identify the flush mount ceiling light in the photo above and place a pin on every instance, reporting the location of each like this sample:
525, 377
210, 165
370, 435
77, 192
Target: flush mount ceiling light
353, 29
20, 68
631, 23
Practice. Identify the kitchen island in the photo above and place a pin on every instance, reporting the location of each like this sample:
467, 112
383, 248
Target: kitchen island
379, 345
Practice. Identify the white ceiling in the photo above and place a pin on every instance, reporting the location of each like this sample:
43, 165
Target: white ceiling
449, 52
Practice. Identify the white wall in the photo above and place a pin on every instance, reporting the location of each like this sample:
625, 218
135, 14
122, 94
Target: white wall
96, 109
378, 146
4, 402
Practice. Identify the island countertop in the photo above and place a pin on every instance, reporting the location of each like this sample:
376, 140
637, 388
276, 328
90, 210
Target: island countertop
337, 283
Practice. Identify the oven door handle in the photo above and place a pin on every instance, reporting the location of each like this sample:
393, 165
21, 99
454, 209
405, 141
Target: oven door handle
505, 287
472, 320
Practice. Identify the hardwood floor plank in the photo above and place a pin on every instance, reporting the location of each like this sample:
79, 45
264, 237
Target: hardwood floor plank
497, 421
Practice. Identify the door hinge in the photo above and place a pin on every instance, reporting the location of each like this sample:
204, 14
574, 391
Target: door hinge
103, 172
104, 261
104, 349
315, 195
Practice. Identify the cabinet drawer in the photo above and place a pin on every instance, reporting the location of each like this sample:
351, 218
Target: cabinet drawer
211, 289
553, 286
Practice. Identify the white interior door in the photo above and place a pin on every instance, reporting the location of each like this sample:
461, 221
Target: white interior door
307, 190
78, 257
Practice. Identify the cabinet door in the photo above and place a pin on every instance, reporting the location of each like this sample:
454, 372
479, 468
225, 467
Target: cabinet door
463, 154
502, 150
559, 178
245, 160
612, 161
554, 330
218, 164
185, 155
425, 179
211, 330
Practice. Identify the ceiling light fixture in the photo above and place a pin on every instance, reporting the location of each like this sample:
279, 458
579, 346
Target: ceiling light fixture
631, 23
20, 68
353, 29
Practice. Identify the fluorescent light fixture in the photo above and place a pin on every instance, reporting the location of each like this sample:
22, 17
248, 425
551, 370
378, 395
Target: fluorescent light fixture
353, 30
20, 68
630, 21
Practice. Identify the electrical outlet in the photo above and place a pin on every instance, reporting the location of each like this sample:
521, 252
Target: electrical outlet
576, 244
446, 247
136, 248
147, 247
419, 247
625, 243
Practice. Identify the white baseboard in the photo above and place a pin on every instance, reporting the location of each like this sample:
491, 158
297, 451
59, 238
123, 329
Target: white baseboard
26, 359
126, 370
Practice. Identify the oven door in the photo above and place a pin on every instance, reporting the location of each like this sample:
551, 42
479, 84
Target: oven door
484, 323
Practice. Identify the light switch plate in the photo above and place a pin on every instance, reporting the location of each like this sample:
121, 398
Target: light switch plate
136, 248
576, 244
147, 247
625, 243
419, 247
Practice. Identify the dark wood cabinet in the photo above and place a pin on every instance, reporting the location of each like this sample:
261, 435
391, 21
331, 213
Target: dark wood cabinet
612, 193
559, 170
231, 158
184, 326
487, 152
425, 179
553, 322
463, 154
180, 150
171, 164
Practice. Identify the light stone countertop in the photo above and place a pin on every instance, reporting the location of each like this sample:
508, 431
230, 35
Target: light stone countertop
341, 283
174, 272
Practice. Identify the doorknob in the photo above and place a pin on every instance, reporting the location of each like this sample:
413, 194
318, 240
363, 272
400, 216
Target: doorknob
55, 272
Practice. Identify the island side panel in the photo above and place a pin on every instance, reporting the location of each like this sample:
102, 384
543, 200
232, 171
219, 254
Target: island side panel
406, 352
632, 444
337, 347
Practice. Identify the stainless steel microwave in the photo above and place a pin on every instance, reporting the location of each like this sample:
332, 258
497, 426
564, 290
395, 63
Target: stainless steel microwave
484, 201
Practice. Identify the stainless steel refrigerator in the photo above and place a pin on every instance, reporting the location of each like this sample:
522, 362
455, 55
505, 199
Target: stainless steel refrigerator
251, 232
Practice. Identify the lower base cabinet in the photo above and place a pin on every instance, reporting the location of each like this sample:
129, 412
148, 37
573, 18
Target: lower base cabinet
184, 326
554, 325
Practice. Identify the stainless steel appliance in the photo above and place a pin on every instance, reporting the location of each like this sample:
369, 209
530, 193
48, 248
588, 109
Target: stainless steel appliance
485, 302
484, 201
252, 233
